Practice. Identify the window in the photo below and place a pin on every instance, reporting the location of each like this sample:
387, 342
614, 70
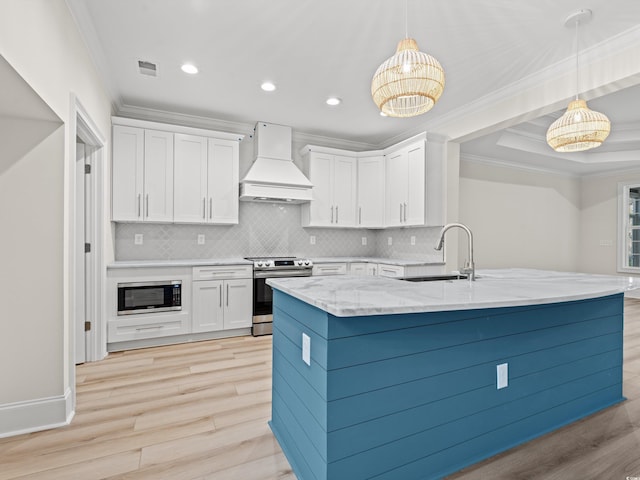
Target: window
629, 205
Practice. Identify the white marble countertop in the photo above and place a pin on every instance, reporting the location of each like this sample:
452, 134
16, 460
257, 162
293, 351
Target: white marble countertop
352, 296
178, 263
387, 261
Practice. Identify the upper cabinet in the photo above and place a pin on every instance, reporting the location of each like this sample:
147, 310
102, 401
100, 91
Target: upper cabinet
371, 187
405, 186
169, 173
142, 175
206, 180
334, 179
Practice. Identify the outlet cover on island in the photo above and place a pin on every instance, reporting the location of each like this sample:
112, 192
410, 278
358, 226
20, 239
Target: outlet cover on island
138, 239
502, 375
312, 239
306, 349
200, 239
389, 240
364, 240
413, 239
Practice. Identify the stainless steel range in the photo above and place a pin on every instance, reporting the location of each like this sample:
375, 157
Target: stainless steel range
272, 267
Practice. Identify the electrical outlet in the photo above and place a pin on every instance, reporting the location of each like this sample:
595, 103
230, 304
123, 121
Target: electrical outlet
389, 240
138, 239
364, 240
502, 375
200, 239
312, 239
413, 239
306, 349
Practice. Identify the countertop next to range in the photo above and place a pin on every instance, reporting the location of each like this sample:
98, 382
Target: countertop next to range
242, 261
351, 296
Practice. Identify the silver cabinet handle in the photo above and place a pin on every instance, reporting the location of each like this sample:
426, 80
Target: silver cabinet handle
139, 205
204, 208
405, 212
332, 214
210, 208
220, 301
150, 327
227, 294
400, 213
146, 206
336, 213
360, 216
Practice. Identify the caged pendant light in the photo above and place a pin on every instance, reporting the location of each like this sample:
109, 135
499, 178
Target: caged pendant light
580, 128
409, 83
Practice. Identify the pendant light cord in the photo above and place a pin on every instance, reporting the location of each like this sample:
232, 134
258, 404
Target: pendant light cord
406, 18
577, 68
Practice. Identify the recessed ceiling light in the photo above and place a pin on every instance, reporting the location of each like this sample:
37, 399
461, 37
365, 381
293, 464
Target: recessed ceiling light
382, 114
268, 87
333, 101
190, 69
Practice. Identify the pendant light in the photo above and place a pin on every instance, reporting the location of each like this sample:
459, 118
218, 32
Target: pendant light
580, 128
409, 83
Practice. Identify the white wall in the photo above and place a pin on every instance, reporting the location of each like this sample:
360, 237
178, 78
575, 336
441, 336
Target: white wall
40, 41
519, 218
599, 221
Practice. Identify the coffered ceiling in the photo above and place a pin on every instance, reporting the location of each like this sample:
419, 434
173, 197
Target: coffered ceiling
490, 50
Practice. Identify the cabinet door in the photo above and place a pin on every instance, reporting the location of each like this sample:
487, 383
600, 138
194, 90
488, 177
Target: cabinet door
372, 269
344, 190
371, 192
396, 172
358, 269
207, 309
321, 209
416, 180
238, 306
223, 181
158, 176
128, 173
190, 202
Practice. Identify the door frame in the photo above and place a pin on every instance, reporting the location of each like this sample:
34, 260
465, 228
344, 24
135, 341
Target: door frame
84, 128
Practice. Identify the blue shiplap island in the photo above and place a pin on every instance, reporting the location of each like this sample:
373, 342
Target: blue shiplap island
386, 379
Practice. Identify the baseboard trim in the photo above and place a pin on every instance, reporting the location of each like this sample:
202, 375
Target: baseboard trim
34, 415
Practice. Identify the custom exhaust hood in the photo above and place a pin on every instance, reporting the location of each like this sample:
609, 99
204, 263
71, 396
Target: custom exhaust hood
273, 177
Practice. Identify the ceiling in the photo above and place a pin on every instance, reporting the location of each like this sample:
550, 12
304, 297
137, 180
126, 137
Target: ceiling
315, 49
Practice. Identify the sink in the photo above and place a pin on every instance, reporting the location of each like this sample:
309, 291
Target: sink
436, 278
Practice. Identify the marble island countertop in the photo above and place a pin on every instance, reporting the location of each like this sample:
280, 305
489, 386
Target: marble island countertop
349, 296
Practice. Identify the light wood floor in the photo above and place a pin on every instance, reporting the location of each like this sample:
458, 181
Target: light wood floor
200, 411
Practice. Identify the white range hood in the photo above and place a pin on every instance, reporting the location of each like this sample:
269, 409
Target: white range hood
273, 177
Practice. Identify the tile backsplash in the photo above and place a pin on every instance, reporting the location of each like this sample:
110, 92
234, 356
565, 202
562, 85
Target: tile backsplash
269, 230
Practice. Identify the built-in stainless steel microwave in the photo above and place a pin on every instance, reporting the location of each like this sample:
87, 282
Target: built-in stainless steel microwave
148, 297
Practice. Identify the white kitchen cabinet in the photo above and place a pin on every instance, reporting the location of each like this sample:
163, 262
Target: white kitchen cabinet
371, 187
223, 304
206, 180
405, 186
336, 268
372, 269
385, 270
334, 178
142, 175
358, 268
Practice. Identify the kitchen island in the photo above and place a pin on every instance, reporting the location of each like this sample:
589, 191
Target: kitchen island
381, 378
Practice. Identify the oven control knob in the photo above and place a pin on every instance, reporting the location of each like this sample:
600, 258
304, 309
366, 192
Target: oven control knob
259, 264
307, 262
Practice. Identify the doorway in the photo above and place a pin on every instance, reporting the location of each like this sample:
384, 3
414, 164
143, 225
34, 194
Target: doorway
88, 339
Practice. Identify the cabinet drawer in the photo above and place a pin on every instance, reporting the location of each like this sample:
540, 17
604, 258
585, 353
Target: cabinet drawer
147, 326
385, 270
330, 269
222, 271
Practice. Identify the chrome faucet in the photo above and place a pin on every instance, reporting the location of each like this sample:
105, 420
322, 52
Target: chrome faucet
469, 268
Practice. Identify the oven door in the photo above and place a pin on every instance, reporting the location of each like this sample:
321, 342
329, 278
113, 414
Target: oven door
263, 296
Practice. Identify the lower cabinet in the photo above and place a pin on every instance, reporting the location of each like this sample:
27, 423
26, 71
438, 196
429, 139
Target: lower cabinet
339, 268
222, 304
